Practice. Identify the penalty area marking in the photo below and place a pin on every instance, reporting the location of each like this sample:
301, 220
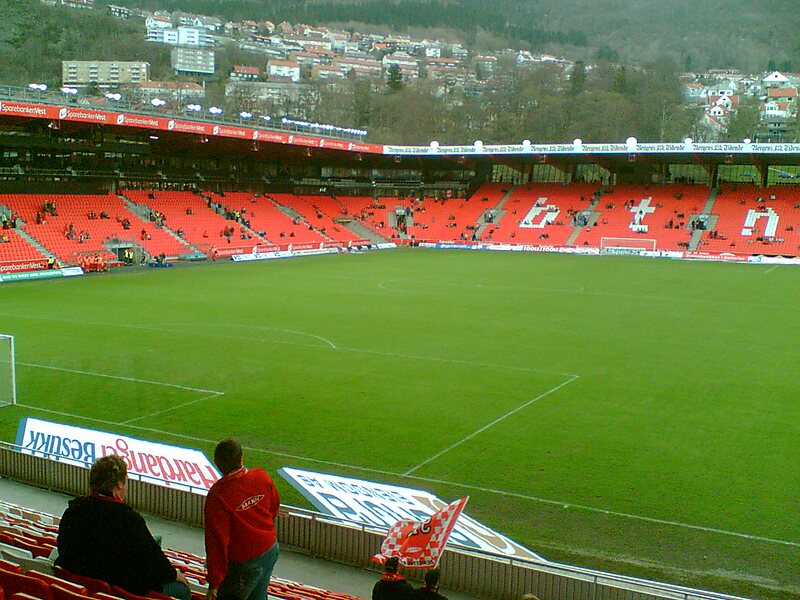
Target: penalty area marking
772, 268
488, 490
480, 430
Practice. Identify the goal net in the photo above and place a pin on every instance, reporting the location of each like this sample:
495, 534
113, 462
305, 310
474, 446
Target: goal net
8, 384
627, 245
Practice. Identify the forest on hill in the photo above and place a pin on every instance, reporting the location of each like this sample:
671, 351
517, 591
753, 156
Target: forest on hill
696, 34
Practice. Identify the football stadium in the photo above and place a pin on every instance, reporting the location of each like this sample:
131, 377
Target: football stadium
595, 343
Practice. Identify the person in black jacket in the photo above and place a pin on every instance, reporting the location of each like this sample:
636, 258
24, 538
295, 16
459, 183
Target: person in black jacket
391, 585
430, 588
102, 537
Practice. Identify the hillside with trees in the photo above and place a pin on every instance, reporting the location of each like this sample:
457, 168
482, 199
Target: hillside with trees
696, 34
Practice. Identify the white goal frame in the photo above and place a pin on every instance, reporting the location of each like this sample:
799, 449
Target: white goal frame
649, 244
8, 365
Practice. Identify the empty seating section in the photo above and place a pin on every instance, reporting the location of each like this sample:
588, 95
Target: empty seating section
49, 582
318, 212
643, 213
189, 214
17, 248
751, 220
278, 227
450, 219
540, 214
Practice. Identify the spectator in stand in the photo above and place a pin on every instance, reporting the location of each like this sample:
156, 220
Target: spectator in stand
240, 511
430, 587
392, 585
102, 537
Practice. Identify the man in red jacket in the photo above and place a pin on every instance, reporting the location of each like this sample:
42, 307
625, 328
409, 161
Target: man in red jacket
240, 511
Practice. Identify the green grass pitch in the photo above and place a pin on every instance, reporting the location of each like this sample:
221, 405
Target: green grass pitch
626, 414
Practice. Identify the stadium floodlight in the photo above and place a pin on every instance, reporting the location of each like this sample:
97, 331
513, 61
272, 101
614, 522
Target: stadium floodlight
215, 110
631, 141
266, 118
8, 386
114, 96
158, 102
40, 87
577, 142
747, 141
69, 91
478, 145
688, 141
526, 144
194, 107
434, 145
246, 115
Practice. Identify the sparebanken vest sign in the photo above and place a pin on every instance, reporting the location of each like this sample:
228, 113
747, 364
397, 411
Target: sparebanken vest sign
161, 464
382, 505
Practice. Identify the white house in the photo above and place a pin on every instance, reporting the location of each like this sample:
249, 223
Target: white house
158, 22
284, 68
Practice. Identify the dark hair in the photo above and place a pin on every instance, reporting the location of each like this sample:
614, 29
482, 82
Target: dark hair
391, 565
228, 455
432, 578
106, 473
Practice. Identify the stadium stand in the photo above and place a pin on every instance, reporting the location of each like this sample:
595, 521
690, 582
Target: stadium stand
17, 247
448, 219
541, 214
85, 214
752, 220
191, 217
635, 212
278, 226
49, 582
321, 213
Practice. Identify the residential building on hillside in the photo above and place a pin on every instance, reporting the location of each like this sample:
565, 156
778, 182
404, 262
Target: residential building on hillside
284, 68
181, 36
104, 74
193, 61
361, 66
407, 64
210, 24
178, 91
158, 22
279, 96
245, 73
324, 72
121, 12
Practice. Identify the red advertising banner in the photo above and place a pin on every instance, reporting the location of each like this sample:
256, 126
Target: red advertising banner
156, 123
16, 266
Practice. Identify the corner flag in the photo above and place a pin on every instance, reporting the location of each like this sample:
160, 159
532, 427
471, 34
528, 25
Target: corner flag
420, 543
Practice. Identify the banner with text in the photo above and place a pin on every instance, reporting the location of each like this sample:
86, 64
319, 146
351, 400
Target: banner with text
382, 506
161, 464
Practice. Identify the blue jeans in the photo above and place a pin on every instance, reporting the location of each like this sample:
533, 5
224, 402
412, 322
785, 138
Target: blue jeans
249, 580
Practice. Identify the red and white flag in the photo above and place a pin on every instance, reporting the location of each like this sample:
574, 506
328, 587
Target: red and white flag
420, 543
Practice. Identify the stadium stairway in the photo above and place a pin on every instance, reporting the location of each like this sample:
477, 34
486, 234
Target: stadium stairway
20, 231
291, 566
364, 232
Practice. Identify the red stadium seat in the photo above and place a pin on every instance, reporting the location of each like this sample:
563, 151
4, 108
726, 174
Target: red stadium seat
62, 593
11, 567
92, 585
125, 594
24, 596
14, 583
52, 580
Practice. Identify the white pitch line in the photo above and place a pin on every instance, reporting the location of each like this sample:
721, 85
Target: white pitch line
171, 408
771, 269
436, 481
265, 328
489, 425
134, 379
614, 513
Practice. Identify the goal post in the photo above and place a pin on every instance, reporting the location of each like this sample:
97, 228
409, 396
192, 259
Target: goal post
625, 245
8, 379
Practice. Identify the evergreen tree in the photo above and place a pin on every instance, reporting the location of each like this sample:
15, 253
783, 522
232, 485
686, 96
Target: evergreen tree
394, 78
